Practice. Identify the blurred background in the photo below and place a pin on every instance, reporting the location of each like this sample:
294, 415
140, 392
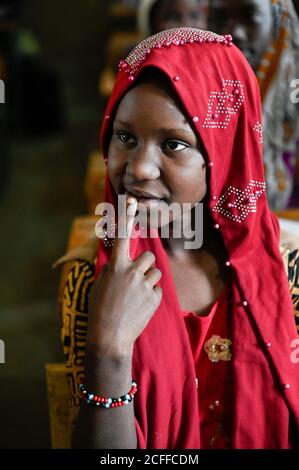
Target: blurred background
58, 61
52, 55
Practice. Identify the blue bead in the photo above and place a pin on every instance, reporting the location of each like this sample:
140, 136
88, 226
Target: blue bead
90, 396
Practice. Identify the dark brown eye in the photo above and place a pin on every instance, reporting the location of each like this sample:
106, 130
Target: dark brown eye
175, 146
125, 137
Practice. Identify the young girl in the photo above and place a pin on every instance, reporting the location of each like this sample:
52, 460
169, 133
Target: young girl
195, 345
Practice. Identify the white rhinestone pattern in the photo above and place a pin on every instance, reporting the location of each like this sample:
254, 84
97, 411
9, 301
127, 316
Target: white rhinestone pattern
236, 204
259, 128
169, 38
224, 104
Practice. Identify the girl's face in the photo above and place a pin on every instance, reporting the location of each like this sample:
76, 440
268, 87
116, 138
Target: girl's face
154, 153
249, 21
177, 13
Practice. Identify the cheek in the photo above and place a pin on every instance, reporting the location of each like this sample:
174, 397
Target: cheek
193, 186
115, 165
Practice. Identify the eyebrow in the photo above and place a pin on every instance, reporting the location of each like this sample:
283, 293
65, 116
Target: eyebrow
122, 123
161, 130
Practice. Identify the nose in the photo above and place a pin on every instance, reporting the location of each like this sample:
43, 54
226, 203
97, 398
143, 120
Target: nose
143, 165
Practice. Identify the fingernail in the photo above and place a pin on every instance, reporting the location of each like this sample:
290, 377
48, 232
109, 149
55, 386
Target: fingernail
131, 200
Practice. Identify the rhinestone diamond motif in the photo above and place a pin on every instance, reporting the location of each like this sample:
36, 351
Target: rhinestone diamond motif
224, 104
259, 128
237, 204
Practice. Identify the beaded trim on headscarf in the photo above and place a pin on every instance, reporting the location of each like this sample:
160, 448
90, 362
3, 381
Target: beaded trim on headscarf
168, 38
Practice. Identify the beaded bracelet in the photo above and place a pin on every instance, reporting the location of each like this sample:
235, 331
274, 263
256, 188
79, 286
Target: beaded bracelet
104, 402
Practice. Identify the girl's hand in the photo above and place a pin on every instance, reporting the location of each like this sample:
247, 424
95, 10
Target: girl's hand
124, 297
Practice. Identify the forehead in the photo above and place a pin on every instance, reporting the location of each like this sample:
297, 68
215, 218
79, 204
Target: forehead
152, 98
261, 5
178, 4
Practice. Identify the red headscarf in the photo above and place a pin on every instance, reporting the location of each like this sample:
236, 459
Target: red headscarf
220, 95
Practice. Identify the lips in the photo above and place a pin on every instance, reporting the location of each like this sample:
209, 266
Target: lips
142, 195
145, 199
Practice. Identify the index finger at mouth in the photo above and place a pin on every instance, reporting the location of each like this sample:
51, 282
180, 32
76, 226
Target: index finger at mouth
124, 230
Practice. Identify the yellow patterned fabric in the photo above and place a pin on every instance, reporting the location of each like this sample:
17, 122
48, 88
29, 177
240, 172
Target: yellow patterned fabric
293, 277
74, 312
74, 316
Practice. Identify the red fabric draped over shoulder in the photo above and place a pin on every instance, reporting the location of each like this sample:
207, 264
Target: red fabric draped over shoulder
219, 92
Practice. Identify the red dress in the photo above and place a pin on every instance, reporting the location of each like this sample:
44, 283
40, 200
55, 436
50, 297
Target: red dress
211, 346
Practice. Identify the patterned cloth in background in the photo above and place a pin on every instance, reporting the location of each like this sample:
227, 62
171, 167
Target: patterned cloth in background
277, 70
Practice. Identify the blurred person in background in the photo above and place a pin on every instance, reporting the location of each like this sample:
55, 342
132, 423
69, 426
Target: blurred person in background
154, 16
157, 15
267, 31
